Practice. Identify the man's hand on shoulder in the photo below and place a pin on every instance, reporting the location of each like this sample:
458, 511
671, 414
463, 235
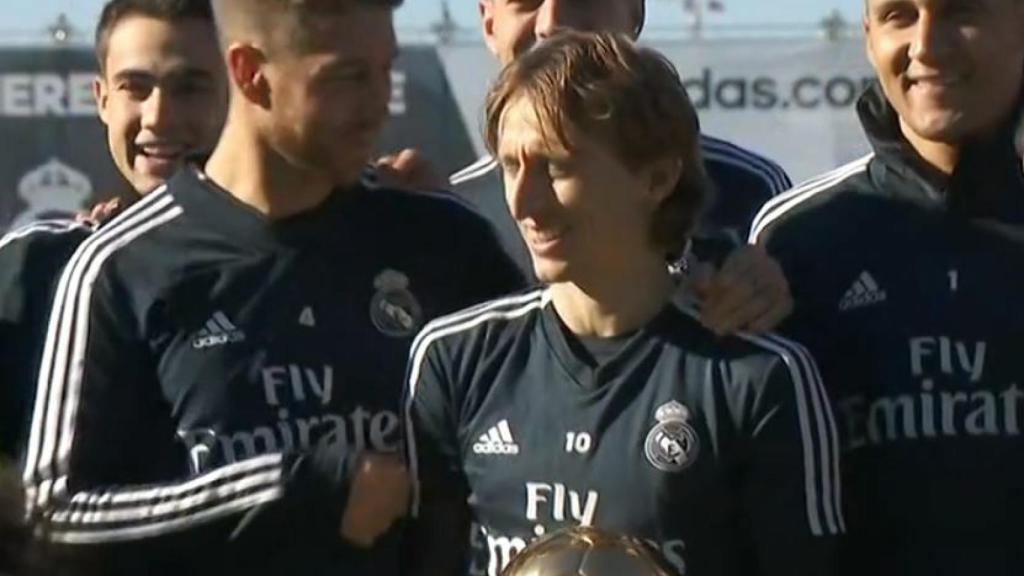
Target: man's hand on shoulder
103, 211
409, 170
749, 293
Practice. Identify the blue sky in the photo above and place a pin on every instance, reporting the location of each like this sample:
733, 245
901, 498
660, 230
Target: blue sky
26, 16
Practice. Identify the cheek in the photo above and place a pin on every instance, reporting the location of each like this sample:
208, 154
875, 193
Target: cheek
124, 127
513, 36
889, 54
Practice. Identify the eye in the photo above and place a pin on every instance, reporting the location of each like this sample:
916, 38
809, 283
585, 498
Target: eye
510, 166
191, 87
135, 89
559, 169
897, 15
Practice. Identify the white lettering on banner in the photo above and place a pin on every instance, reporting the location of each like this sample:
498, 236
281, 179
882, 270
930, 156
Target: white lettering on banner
397, 105
748, 91
40, 95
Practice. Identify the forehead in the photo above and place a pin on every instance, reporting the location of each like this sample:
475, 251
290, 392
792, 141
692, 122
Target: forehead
588, 5
935, 4
158, 46
521, 130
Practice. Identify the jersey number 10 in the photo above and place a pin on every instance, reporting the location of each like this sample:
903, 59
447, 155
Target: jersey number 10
577, 442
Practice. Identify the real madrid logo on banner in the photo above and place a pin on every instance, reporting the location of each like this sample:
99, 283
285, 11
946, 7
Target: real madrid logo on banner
672, 444
393, 309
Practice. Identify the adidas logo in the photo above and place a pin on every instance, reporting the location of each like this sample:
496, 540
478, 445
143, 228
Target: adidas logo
218, 332
864, 292
497, 440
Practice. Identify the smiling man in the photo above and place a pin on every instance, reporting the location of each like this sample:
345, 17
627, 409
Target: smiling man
907, 279
748, 292
224, 362
162, 93
161, 89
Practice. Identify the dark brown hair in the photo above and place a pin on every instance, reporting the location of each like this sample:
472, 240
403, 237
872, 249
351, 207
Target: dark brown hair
115, 11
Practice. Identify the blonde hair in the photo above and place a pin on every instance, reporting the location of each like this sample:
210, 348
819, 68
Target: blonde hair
630, 97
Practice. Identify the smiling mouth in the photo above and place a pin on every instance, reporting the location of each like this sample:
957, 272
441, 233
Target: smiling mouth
935, 82
162, 153
543, 241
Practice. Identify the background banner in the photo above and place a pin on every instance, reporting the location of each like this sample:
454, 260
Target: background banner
791, 100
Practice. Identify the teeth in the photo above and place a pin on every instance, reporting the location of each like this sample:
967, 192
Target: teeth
161, 151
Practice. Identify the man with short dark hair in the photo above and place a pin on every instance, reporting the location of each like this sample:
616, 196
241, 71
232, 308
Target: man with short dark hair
907, 267
162, 94
225, 359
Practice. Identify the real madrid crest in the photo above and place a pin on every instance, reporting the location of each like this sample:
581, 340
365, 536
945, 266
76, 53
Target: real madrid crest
393, 309
672, 444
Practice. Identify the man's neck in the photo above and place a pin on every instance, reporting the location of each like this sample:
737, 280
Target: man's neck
615, 304
940, 155
255, 174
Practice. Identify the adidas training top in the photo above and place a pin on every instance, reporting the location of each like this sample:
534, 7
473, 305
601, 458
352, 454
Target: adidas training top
31, 259
722, 452
908, 291
209, 376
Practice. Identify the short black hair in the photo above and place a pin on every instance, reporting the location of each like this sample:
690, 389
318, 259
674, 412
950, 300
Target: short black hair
114, 11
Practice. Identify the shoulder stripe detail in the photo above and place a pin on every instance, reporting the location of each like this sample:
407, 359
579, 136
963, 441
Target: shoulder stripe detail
501, 309
822, 483
769, 170
152, 510
216, 476
783, 203
515, 301
44, 227
475, 170
771, 181
114, 514
171, 525
59, 375
819, 438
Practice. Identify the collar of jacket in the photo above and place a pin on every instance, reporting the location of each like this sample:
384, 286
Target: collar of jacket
986, 183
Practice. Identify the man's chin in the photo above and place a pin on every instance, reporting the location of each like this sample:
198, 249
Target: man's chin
938, 125
146, 183
548, 272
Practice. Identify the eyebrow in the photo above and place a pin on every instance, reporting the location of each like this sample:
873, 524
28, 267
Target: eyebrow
188, 73
886, 4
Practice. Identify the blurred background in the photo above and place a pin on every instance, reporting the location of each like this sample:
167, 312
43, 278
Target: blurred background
780, 77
